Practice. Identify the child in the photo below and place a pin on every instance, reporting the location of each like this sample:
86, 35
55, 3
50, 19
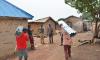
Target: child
67, 42
21, 41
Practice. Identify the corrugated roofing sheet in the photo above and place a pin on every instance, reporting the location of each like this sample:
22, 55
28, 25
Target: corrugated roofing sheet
9, 10
42, 20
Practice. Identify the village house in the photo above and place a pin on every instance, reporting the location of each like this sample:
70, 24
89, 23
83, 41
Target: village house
87, 25
45, 22
75, 22
10, 18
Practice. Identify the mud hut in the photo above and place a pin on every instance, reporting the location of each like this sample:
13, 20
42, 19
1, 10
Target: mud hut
45, 22
10, 17
75, 22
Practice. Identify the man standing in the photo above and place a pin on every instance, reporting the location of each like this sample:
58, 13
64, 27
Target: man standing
50, 34
61, 35
31, 37
42, 34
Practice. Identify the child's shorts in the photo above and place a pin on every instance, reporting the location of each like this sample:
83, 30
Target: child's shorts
22, 53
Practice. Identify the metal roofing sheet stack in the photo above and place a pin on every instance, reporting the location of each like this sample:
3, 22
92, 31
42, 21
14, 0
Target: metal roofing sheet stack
9, 10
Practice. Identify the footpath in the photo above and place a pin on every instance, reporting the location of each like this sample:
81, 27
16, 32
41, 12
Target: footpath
56, 52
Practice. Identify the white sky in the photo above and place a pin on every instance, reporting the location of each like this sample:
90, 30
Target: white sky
44, 8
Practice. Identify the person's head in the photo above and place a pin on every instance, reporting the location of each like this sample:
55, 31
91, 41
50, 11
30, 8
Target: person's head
41, 25
49, 25
19, 30
29, 26
60, 25
25, 30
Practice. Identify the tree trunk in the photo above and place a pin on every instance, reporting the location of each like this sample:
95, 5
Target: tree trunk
96, 31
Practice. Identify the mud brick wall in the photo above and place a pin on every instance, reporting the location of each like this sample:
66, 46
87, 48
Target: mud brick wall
76, 23
35, 26
7, 34
46, 24
78, 26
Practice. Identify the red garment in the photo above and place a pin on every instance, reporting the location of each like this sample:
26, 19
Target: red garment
22, 41
31, 39
67, 40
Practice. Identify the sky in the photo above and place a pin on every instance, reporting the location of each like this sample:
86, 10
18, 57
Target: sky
44, 8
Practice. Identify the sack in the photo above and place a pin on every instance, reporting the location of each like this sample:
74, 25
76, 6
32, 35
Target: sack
19, 30
18, 33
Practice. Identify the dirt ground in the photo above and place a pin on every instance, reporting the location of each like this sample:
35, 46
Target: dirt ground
56, 52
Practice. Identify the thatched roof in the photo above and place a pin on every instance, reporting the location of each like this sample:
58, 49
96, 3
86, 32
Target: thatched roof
73, 19
43, 20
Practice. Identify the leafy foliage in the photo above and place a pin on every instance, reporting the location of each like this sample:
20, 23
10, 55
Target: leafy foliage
87, 16
89, 7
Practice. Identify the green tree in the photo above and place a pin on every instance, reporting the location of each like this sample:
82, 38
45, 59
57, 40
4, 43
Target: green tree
87, 16
89, 8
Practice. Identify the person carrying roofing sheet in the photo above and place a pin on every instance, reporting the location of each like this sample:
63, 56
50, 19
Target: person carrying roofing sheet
31, 37
67, 42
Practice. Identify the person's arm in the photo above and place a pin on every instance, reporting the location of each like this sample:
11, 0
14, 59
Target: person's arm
27, 37
16, 44
15, 48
